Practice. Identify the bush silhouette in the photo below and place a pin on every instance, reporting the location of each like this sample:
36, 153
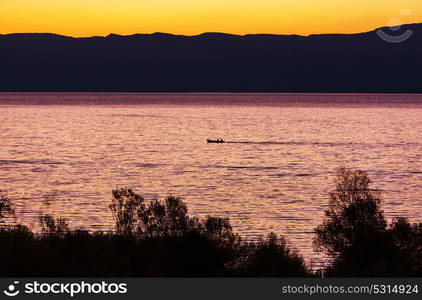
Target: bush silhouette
135, 216
185, 246
126, 207
6, 206
355, 233
353, 214
158, 238
271, 257
408, 240
166, 218
17, 251
53, 227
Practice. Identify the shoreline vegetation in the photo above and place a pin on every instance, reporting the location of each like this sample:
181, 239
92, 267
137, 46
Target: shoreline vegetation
159, 239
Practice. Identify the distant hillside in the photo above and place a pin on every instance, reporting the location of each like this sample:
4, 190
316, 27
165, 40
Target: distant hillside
212, 62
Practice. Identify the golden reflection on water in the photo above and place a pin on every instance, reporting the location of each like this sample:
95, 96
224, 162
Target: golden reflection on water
66, 159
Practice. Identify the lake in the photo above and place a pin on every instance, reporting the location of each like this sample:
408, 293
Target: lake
64, 153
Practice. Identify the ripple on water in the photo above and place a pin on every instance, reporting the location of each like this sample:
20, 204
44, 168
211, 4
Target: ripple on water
148, 165
277, 179
30, 162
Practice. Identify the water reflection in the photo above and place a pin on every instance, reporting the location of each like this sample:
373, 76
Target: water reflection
273, 174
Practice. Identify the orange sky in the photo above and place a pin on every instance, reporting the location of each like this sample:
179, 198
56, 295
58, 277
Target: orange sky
101, 17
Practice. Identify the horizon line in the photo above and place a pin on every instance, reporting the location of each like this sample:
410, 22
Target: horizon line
204, 33
218, 93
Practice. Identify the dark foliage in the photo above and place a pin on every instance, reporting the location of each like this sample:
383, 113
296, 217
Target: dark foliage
408, 240
356, 236
159, 239
271, 257
155, 238
126, 206
53, 227
6, 206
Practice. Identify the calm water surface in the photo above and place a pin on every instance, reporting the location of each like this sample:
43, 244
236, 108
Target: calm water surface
64, 153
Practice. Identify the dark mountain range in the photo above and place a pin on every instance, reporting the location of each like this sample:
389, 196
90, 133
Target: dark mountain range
214, 62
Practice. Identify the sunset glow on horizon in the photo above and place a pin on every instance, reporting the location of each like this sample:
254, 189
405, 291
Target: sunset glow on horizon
102, 17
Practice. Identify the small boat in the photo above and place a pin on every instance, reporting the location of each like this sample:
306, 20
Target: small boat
218, 141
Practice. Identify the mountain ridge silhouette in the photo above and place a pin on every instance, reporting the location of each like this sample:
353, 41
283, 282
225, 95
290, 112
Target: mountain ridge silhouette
212, 62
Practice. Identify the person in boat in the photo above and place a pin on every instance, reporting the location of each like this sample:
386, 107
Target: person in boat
216, 141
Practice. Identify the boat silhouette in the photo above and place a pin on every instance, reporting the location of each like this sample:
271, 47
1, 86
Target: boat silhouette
217, 141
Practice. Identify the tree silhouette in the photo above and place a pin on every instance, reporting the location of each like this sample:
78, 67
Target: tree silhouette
353, 215
126, 208
355, 233
53, 227
408, 239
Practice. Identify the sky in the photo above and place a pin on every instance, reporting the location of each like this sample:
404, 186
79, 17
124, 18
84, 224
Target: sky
189, 17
